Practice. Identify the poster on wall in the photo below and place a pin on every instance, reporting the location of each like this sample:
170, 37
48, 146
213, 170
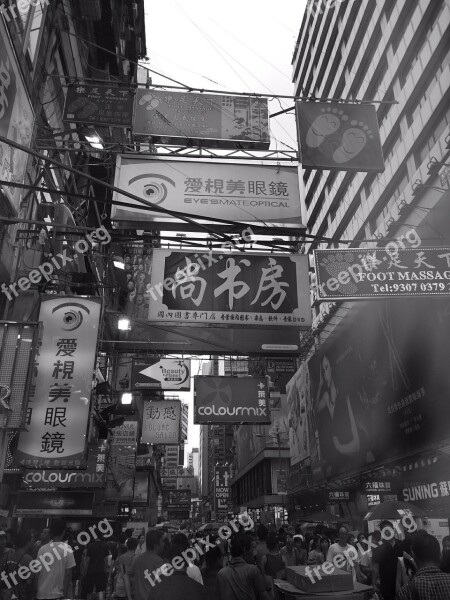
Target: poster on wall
58, 410
379, 400
16, 119
342, 136
299, 403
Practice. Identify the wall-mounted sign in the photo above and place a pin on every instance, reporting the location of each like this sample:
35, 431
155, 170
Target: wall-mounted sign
212, 119
377, 273
122, 462
54, 503
59, 408
99, 105
173, 499
231, 400
340, 136
221, 490
378, 487
161, 422
93, 476
238, 290
263, 194
338, 496
16, 119
161, 373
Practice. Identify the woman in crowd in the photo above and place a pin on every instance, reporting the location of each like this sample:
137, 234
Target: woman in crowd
316, 556
272, 563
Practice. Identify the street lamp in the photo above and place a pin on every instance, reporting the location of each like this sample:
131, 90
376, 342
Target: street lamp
124, 324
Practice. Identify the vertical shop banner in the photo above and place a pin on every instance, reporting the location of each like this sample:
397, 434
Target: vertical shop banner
340, 136
59, 402
219, 121
161, 422
99, 105
222, 490
299, 403
16, 118
121, 465
141, 485
262, 194
261, 290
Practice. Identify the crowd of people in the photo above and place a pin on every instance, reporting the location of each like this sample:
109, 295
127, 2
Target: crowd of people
244, 567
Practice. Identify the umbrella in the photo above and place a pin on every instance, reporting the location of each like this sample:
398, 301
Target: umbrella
167, 526
394, 509
210, 527
323, 517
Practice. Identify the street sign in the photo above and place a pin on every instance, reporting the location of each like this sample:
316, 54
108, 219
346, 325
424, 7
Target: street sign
162, 374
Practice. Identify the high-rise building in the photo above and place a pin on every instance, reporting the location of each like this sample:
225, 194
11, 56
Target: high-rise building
193, 461
395, 55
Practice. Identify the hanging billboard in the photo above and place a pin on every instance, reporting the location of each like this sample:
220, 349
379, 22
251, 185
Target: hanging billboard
168, 374
209, 120
379, 400
299, 403
378, 272
231, 399
264, 194
242, 289
58, 410
54, 504
121, 463
222, 490
99, 105
16, 119
342, 136
161, 422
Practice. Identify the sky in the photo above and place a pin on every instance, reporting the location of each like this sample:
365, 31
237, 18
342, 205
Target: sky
233, 46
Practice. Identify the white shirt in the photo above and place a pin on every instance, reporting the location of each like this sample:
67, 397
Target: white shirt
51, 583
352, 553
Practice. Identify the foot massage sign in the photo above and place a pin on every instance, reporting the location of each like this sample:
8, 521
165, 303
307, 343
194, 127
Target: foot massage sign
339, 136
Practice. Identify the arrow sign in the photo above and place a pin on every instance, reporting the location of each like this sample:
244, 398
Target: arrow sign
161, 374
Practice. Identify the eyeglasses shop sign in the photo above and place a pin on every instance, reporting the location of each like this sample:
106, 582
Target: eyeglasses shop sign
231, 400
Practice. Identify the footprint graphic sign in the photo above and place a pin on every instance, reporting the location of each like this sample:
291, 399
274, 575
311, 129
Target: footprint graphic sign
339, 136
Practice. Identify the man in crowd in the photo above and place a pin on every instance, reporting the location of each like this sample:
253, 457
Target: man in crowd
44, 539
343, 548
241, 580
55, 581
290, 552
429, 582
96, 569
261, 547
143, 565
384, 562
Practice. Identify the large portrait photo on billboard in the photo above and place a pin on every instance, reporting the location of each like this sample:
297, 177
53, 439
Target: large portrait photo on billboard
381, 399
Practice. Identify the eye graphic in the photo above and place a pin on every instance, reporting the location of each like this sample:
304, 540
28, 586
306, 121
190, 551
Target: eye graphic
155, 187
72, 319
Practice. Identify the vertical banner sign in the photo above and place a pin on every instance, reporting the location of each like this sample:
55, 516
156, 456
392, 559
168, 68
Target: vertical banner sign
343, 137
59, 405
16, 118
221, 491
161, 422
122, 462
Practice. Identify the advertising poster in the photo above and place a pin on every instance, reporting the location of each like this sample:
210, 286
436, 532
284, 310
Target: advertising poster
140, 493
59, 407
99, 105
299, 414
264, 194
379, 400
16, 119
54, 504
219, 121
137, 258
230, 399
161, 374
237, 289
121, 463
161, 422
343, 137
222, 490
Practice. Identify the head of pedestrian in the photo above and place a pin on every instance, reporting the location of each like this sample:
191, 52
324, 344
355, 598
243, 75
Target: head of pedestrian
324, 545
361, 538
57, 529
426, 551
154, 541
342, 536
446, 544
387, 530
45, 536
289, 541
262, 533
178, 545
298, 540
240, 546
131, 544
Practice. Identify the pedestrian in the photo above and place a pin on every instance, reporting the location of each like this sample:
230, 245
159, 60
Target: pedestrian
316, 556
384, 564
261, 547
44, 539
273, 565
241, 580
140, 549
122, 587
445, 558
192, 570
298, 542
365, 564
429, 582
144, 564
212, 566
290, 552
347, 551
55, 580
20, 558
96, 569
178, 585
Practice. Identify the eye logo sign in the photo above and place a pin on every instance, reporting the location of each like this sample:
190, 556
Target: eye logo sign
5, 393
73, 319
153, 190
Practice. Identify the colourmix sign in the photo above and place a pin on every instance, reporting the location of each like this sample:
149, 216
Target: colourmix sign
231, 400
266, 194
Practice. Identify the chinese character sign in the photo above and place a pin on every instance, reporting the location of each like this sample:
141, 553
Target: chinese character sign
265, 194
16, 119
231, 400
343, 137
220, 121
100, 105
59, 410
380, 272
121, 463
161, 422
232, 289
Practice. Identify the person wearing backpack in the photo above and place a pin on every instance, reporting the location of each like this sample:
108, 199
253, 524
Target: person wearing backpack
429, 582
